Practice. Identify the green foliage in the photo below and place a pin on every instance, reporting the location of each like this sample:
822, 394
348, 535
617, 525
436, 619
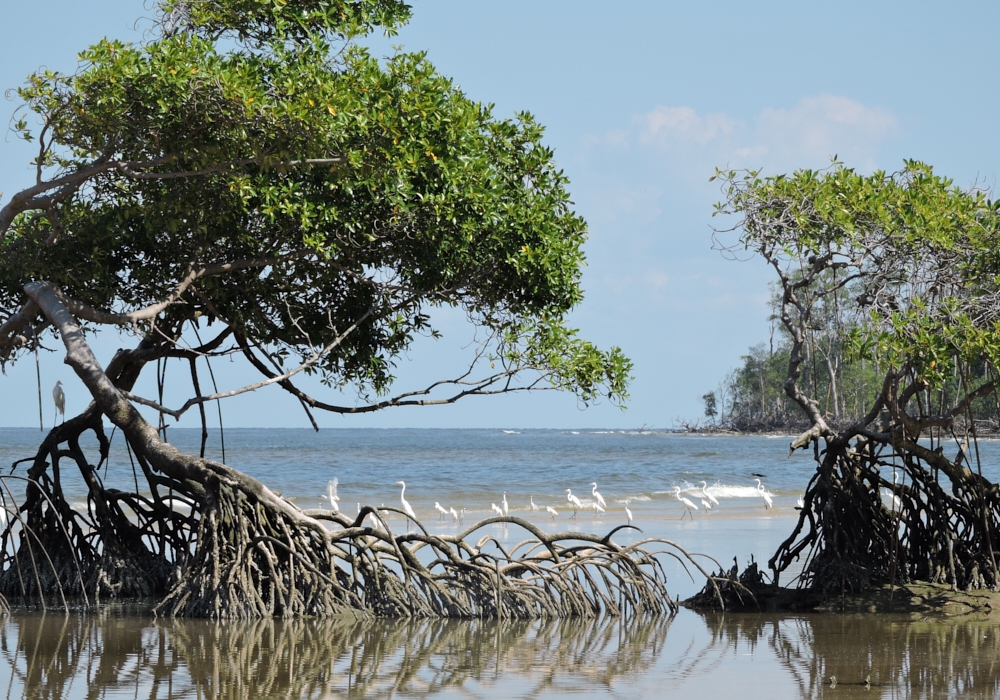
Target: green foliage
375, 189
711, 405
918, 252
263, 21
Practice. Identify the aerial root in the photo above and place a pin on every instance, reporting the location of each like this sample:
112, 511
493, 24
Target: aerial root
244, 559
224, 546
857, 528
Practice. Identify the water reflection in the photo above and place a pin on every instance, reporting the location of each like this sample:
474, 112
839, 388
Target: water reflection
107, 656
52, 656
902, 657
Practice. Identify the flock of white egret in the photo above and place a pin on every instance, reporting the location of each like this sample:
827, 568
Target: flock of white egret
598, 504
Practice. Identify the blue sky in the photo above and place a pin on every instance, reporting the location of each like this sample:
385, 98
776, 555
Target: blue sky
641, 100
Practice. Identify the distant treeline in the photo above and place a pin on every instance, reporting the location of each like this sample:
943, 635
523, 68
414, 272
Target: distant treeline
752, 398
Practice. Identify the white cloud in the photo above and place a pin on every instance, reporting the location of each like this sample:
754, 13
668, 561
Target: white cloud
819, 127
657, 280
805, 135
671, 126
613, 202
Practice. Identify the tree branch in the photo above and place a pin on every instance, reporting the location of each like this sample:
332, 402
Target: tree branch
89, 313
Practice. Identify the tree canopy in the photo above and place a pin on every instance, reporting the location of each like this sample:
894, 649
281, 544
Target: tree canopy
901, 270
250, 166
251, 172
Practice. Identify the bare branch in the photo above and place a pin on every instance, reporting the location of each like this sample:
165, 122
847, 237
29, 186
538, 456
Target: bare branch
310, 361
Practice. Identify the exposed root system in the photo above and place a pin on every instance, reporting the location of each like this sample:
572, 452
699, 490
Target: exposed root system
877, 512
226, 547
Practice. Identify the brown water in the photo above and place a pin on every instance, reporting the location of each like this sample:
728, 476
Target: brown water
743, 656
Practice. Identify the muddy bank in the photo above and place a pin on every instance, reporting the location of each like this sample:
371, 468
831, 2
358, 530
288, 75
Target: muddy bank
916, 599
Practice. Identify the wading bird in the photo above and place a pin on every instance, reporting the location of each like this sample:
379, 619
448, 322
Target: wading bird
454, 514
331, 494
552, 511
768, 503
406, 505
704, 490
534, 508
573, 501
442, 511
496, 509
598, 497
706, 505
688, 505
506, 508
628, 515
597, 509
60, 398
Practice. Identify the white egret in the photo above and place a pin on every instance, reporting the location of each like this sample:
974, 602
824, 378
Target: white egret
574, 501
59, 396
706, 505
461, 516
506, 508
496, 509
442, 511
331, 494
768, 502
800, 504
552, 511
628, 514
704, 490
598, 497
454, 513
534, 508
896, 503
688, 505
406, 506
597, 509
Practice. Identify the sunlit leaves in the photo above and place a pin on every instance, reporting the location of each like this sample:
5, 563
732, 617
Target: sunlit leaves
417, 196
919, 254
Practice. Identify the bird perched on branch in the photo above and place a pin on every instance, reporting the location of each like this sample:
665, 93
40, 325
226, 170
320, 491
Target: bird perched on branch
59, 396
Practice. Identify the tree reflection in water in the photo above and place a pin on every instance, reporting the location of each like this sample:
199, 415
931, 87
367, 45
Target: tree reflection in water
925, 658
104, 656
98, 656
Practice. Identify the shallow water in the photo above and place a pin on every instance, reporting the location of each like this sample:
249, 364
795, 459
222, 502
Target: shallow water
692, 655
56, 656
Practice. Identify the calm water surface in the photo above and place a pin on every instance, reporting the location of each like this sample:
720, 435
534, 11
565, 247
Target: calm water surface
111, 655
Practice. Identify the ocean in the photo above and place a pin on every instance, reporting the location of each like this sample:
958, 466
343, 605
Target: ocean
111, 655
